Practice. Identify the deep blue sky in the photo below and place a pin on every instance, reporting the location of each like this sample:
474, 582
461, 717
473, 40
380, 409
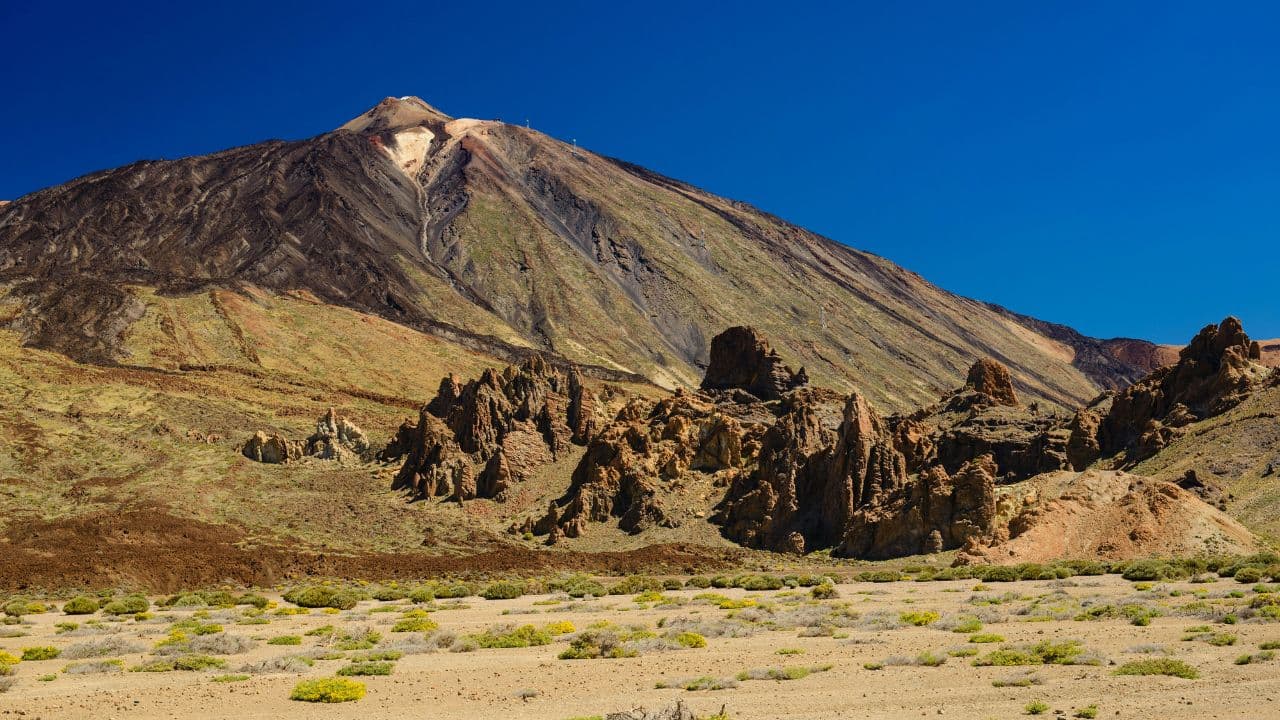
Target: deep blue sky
1114, 166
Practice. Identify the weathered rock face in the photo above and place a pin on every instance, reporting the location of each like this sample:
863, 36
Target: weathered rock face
274, 448
849, 489
645, 452
1204, 488
335, 438
478, 439
931, 512
984, 418
1213, 374
741, 359
992, 379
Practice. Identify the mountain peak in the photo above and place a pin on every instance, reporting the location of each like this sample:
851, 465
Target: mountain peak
396, 114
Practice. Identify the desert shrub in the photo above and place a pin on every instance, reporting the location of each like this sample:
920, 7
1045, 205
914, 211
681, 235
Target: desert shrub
197, 663
318, 596
634, 584
46, 652
582, 587
997, 573
1087, 712
387, 594
698, 582
104, 647
1248, 574
1036, 707
825, 591
758, 582
919, 618
129, 605
592, 644
94, 667
220, 644
285, 640
8, 660
235, 677
155, 666
358, 639
1045, 652
690, 640
283, 664
512, 637
792, 672
503, 590
1023, 679
455, 590
560, 627
328, 690
1148, 570
17, 607
366, 668
81, 605
1159, 666
706, 682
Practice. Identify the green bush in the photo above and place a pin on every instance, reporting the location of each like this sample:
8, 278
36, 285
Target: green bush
919, 618
1148, 570
318, 596
1159, 666
328, 690
503, 590
129, 605
81, 605
46, 652
999, 573
447, 591
1036, 707
758, 582
691, 640
366, 668
414, 624
196, 663
1248, 575
523, 636
825, 591
701, 583
285, 640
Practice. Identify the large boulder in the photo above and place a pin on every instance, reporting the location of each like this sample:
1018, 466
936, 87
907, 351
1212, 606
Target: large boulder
742, 360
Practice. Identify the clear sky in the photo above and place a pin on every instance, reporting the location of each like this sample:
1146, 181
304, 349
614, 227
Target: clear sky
1114, 166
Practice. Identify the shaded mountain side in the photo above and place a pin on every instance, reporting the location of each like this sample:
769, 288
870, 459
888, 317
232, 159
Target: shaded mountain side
503, 240
1111, 364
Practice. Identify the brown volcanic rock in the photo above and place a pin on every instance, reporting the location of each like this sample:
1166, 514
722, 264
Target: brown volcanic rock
335, 438
477, 439
628, 464
741, 359
992, 379
794, 500
1213, 374
984, 418
930, 513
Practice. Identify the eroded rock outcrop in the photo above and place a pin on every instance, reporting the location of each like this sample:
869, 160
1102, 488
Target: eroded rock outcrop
650, 450
741, 359
984, 418
335, 438
480, 438
1213, 374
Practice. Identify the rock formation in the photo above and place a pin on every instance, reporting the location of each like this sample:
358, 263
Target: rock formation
645, 452
335, 438
1213, 373
990, 378
984, 418
478, 439
742, 360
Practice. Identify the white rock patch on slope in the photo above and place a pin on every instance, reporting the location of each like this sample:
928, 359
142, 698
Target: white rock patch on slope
409, 151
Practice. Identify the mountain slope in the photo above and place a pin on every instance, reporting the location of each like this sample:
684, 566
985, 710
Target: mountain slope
506, 240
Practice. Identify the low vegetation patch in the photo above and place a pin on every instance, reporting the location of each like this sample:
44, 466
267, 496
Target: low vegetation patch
328, 690
1159, 666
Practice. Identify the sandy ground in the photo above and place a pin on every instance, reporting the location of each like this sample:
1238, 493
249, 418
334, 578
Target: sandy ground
488, 683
